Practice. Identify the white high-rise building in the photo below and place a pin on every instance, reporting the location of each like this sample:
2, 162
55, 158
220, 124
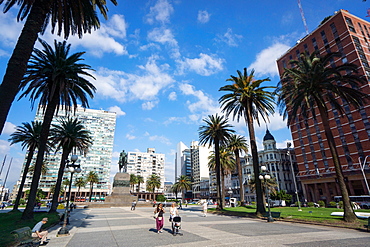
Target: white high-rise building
146, 164
101, 125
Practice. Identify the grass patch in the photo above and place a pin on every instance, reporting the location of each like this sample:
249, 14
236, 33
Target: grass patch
12, 220
307, 215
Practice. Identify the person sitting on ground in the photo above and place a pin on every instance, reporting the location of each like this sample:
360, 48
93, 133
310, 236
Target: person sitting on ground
37, 232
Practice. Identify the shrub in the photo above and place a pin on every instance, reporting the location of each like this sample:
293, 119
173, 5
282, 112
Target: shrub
160, 198
22, 201
321, 204
333, 204
310, 204
341, 204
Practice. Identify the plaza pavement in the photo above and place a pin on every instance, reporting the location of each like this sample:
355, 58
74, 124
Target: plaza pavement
108, 227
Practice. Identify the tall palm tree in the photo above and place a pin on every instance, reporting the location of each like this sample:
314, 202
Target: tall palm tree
237, 144
183, 183
139, 181
29, 136
68, 16
58, 79
44, 169
79, 182
309, 88
133, 181
65, 184
216, 132
92, 178
70, 134
227, 164
248, 99
152, 183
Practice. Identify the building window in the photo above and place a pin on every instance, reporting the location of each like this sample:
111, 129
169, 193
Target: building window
314, 43
350, 25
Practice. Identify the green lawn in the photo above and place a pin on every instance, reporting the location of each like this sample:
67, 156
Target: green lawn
309, 214
12, 220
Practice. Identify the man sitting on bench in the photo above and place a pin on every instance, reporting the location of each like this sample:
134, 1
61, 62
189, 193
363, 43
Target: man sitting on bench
36, 232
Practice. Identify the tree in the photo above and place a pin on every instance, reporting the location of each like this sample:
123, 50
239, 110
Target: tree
80, 182
133, 181
227, 164
58, 80
216, 132
312, 87
44, 169
153, 182
237, 144
92, 178
65, 185
249, 100
139, 181
183, 184
68, 16
28, 135
70, 134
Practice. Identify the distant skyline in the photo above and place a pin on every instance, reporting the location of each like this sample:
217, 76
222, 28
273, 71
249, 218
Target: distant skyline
159, 65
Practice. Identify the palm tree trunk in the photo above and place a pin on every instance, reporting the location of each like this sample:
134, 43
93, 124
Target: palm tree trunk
91, 190
48, 117
222, 186
17, 64
24, 176
240, 174
220, 205
259, 194
58, 183
349, 215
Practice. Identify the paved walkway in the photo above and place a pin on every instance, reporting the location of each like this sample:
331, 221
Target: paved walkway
108, 227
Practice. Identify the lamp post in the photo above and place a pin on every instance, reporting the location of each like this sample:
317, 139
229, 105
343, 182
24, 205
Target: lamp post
72, 168
293, 175
264, 175
362, 166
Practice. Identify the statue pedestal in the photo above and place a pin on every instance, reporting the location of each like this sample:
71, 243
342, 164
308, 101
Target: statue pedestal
121, 195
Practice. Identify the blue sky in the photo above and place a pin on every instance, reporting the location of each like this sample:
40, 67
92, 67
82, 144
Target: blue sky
159, 64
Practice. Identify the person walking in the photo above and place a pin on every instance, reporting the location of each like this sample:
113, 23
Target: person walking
133, 205
173, 211
36, 232
159, 211
205, 207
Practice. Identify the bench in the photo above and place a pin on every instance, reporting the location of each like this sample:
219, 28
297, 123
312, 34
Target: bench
368, 223
273, 215
23, 236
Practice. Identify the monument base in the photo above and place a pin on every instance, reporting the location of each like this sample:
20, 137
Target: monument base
121, 195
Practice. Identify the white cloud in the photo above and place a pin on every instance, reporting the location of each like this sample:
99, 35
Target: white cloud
117, 110
13, 29
164, 36
265, 63
203, 16
230, 38
161, 139
174, 120
9, 128
130, 137
205, 65
144, 85
149, 105
160, 12
4, 147
172, 96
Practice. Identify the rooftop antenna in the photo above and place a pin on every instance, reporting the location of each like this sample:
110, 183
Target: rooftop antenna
302, 15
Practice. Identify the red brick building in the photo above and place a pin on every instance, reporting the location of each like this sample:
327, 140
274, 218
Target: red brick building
349, 35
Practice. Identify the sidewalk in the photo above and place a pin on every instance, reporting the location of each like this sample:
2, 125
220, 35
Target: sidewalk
76, 219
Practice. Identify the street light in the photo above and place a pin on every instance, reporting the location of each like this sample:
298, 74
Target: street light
264, 175
293, 175
363, 173
72, 168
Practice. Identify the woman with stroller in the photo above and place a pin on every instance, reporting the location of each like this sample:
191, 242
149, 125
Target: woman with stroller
159, 220
173, 211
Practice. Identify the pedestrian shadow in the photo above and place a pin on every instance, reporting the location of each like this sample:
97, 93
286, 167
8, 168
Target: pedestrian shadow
168, 230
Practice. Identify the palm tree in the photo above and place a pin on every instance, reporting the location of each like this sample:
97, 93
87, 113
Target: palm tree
216, 132
227, 164
249, 100
306, 88
139, 181
183, 183
152, 183
55, 78
92, 178
44, 169
70, 134
65, 185
237, 144
80, 182
28, 135
68, 16
269, 184
133, 181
